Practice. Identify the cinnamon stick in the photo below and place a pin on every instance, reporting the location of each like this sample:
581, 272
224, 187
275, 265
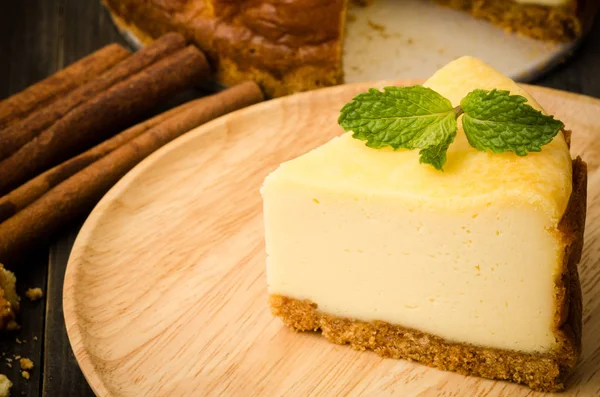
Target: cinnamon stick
41, 184
22, 132
78, 194
103, 115
46, 91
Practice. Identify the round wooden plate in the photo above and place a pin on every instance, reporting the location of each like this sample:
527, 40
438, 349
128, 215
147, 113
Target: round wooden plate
165, 291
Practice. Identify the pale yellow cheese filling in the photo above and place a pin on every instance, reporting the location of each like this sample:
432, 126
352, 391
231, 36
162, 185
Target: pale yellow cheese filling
469, 254
450, 274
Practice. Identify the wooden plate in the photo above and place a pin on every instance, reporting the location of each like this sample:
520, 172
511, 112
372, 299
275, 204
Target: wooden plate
414, 38
165, 291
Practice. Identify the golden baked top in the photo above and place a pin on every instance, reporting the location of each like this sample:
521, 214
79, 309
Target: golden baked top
471, 177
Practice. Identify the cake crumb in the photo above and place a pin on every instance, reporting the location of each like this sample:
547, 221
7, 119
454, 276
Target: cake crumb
17, 357
34, 294
9, 300
9, 360
379, 29
25, 374
5, 385
375, 26
26, 363
18, 341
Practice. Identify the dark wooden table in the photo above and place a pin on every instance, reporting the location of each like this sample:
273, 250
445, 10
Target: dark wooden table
38, 37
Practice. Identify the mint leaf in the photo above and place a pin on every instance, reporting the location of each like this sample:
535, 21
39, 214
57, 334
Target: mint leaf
403, 117
440, 139
500, 122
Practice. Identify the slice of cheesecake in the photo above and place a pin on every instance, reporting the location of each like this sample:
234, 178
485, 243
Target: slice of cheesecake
473, 269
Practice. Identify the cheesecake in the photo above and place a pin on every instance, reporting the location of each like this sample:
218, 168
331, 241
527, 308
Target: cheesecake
296, 45
473, 269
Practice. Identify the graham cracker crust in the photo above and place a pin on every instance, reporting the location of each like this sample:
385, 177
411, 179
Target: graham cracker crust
543, 372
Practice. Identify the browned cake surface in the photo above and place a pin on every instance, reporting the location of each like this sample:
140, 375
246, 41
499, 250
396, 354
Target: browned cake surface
285, 46
555, 24
544, 372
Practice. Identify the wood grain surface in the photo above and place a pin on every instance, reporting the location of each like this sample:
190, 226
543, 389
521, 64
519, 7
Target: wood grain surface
165, 291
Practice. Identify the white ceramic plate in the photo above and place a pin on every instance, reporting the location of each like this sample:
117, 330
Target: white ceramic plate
414, 38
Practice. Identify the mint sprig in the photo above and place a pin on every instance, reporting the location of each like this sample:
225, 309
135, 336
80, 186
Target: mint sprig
419, 118
403, 117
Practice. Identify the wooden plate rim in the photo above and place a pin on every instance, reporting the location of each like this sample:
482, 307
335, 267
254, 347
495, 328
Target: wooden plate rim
75, 331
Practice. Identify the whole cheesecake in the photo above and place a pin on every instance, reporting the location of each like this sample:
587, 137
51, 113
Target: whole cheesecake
473, 269
296, 45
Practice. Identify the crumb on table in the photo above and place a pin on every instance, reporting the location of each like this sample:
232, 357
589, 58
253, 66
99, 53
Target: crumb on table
25, 374
34, 294
26, 363
5, 385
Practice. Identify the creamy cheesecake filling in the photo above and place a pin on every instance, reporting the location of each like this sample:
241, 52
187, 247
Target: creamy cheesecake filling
483, 276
